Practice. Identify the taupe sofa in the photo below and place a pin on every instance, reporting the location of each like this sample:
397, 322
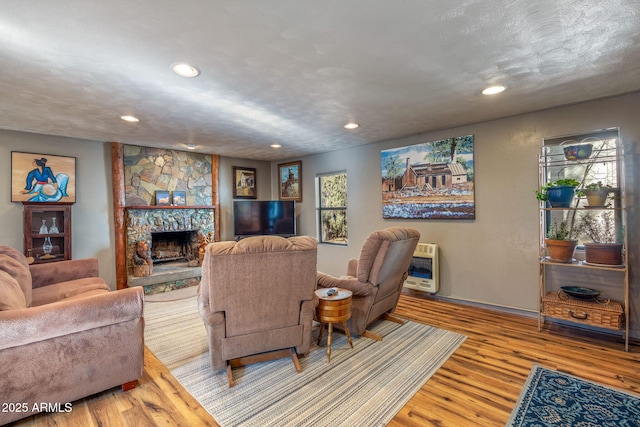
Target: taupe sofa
376, 277
63, 334
257, 296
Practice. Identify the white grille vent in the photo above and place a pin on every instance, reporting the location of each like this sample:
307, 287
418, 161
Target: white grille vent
423, 271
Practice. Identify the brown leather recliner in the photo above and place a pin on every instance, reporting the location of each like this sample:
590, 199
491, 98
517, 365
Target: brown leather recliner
376, 278
256, 299
63, 334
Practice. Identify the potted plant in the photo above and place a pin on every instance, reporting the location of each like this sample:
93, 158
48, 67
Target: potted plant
559, 242
604, 247
558, 193
596, 193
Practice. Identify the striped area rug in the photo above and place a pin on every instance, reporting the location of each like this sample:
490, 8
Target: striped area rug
364, 386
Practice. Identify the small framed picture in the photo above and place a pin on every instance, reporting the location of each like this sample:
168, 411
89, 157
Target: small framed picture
163, 198
179, 198
290, 179
244, 183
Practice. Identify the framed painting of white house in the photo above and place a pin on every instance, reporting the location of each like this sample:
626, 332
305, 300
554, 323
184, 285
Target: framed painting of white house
432, 180
244, 183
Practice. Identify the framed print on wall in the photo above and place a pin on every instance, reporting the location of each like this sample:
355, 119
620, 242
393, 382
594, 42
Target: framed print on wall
432, 180
37, 177
244, 183
290, 180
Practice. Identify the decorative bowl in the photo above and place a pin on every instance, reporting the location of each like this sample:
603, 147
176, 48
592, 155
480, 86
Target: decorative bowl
577, 152
581, 293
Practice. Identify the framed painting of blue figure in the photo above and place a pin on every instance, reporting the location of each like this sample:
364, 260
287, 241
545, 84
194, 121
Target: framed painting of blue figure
45, 178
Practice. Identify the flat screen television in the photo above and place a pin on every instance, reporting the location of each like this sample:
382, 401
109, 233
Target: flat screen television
264, 217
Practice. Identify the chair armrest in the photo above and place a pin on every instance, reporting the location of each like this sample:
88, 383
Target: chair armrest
62, 271
29, 325
346, 282
213, 319
352, 267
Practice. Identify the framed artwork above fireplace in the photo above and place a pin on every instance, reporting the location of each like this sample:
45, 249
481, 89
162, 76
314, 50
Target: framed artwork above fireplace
179, 198
162, 198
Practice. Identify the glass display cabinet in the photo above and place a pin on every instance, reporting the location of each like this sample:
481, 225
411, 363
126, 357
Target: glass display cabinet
47, 232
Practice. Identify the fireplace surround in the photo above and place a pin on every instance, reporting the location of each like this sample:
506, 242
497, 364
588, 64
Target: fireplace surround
172, 234
139, 171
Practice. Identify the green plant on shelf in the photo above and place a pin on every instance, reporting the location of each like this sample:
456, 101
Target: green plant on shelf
594, 186
565, 182
600, 229
560, 230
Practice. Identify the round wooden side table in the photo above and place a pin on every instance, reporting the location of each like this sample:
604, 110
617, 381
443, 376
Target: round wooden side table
332, 309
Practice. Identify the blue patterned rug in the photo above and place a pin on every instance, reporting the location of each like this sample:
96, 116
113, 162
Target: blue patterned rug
551, 398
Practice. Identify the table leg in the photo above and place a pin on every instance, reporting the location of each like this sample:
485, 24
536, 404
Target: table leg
329, 342
320, 333
346, 331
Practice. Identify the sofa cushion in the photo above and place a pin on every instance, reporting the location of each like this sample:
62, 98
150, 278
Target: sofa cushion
67, 290
11, 296
15, 264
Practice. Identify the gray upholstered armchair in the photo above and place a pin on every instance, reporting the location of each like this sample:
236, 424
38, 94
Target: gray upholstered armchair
257, 299
376, 278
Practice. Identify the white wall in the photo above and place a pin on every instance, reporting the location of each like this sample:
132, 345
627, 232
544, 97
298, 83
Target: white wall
492, 259
92, 214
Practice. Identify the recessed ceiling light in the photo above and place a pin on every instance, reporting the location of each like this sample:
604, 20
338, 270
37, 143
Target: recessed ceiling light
191, 146
492, 90
185, 70
130, 119
276, 146
351, 126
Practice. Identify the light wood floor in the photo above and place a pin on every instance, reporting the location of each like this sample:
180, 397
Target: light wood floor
477, 386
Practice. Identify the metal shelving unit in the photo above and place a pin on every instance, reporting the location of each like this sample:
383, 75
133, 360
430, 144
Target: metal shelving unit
605, 164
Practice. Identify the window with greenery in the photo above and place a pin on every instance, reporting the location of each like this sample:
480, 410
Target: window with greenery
332, 208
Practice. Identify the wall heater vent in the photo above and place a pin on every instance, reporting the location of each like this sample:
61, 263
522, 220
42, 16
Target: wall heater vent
423, 271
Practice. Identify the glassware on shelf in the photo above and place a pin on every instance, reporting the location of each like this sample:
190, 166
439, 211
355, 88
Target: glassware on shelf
47, 247
30, 258
54, 227
43, 227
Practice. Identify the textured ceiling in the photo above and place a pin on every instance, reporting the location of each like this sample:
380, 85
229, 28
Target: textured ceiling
294, 72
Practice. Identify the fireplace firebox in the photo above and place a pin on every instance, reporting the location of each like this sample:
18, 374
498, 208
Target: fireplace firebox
170, 246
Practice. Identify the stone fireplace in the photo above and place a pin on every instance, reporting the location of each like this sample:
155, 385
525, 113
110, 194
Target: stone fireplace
173, 235
139, 173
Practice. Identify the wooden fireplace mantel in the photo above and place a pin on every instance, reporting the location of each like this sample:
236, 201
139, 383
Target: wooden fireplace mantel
169, 207
119, 208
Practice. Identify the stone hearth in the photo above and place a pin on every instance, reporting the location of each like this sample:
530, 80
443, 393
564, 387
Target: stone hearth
168, 277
